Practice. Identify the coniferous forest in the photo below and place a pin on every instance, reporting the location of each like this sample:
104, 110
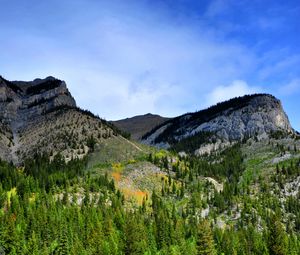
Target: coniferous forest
53, 207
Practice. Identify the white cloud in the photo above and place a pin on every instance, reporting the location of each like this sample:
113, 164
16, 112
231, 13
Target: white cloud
293, 87
121, 65
235, 89
123, 60
115, 97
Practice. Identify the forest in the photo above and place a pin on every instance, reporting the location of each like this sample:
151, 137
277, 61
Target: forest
53, 207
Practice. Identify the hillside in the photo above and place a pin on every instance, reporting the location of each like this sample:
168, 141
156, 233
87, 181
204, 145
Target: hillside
95, 192
243, 200
41, 116
138, 126
258, 115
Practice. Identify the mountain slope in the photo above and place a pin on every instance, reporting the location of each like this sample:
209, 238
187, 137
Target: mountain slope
240, 200
138, 126
41, 116
256, 115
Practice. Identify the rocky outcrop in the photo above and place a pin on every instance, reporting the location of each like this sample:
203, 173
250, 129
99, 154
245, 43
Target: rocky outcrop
22, 101
256, 116
41, 116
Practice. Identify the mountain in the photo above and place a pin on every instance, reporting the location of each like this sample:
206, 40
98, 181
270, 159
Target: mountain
258, 115
41, 116
138, 126
109, 195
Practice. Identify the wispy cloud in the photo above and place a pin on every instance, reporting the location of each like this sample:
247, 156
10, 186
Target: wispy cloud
279, 63
135, 65
291, 88
122, 58
235, 89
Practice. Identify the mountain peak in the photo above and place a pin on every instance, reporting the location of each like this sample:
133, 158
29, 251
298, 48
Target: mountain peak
40, 80
32, 98
25, 102
257, 115
139, 125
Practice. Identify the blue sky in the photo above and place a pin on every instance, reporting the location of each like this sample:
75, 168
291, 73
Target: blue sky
123, 58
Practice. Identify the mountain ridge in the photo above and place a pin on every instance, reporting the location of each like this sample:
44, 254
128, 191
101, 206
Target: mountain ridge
107, 191
256, 115
29, 109
139, 125
41, 116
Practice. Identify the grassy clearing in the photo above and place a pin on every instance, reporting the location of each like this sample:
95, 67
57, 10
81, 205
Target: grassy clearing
258, 158
113, 150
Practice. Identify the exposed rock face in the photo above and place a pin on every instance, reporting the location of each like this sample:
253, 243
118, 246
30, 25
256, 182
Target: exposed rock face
210, 147
22, 101
41, 116
249, 116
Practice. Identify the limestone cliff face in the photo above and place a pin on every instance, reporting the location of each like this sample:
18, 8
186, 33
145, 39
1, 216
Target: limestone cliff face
41, 116
22, 101
261, 116
250, 116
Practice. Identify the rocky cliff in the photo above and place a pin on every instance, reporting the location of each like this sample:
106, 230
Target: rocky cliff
22, 101
258, 116
41, 116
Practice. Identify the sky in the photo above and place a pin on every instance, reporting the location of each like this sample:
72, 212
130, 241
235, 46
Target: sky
122, 58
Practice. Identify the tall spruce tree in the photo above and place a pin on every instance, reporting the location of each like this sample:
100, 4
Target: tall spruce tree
205, 241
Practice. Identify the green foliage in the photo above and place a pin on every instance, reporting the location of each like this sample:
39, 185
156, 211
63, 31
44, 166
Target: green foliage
54, 207
278, 241
91, 142
205, 241
191, 143
278, 134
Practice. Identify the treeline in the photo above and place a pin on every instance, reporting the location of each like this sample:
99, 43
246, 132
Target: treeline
115, 129
54, 207
45, 86
192, 143
11, 85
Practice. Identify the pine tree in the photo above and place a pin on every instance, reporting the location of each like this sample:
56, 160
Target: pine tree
135, 235
205, 241
277, 237
63, 247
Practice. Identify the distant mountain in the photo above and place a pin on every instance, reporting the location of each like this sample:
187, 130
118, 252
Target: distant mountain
258, 115
139, 125
41, 116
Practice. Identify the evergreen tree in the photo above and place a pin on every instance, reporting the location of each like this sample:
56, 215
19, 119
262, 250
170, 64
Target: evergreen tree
205, 241
277, 237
